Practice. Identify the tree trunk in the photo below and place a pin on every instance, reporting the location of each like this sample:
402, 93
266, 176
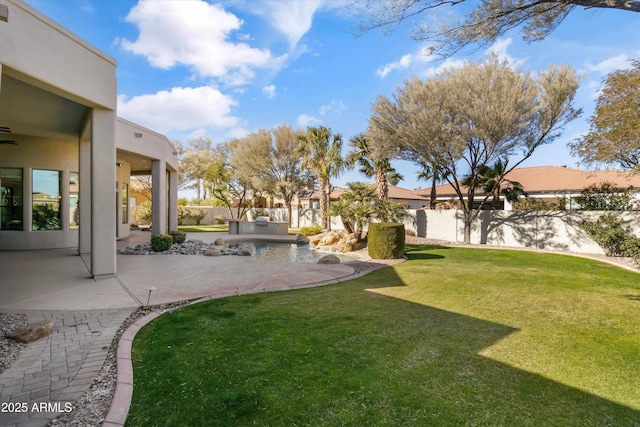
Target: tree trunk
382, 189
433, 195
289, 211
467, 229
324, 185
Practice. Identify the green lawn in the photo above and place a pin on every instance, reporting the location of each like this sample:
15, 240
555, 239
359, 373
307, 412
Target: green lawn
202, 228
452, 337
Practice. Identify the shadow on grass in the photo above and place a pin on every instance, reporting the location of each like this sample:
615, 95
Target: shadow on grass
343, 355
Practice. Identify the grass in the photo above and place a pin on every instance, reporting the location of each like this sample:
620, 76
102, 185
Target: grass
454, 336
203, 228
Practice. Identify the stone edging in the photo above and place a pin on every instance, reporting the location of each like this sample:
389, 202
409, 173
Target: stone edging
121, 402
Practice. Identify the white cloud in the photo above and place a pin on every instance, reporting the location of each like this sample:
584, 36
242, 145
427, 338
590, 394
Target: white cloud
195, 34
421, 56
179, 109
446, 64
335, 106
305, 120
291, 18
608, 65
500, 48
269, 91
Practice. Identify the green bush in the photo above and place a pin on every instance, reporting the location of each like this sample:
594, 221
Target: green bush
143, 212
219, 219
607, 231
631, 248
161, 242
178, 236
197, 214
183, 213
311, 230
386, 240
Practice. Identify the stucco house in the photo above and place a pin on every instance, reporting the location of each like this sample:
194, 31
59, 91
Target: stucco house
65, 157
551, 183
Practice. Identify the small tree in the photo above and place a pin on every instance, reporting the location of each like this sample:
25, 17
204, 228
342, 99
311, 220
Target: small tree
614, 132
143, 213
197, 214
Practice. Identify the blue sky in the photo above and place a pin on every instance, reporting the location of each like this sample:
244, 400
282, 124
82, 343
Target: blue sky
223, 69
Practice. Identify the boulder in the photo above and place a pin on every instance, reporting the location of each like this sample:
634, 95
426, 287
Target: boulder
31, 332
243, 252
213, 252
329, 259
219, 242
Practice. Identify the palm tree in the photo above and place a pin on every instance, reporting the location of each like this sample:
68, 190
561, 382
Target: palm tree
492, 180
380, 168
435, 174
356, 208
322, 156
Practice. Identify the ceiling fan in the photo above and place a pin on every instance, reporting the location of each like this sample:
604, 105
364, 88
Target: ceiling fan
5, 129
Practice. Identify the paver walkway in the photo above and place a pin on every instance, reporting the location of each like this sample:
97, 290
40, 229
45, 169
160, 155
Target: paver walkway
55, 371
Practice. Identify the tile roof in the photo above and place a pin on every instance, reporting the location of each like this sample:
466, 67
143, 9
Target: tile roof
556, 179
394, 193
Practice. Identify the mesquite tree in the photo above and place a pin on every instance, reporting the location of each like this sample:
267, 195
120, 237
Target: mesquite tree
462, 120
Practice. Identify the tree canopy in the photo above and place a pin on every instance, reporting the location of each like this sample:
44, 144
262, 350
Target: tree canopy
464, 119
271, 160
483, 23
321, 151
614, 131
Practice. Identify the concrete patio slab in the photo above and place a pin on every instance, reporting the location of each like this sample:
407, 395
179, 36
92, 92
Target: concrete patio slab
60, 279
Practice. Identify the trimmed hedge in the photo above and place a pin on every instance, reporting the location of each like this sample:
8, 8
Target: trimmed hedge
178, 236
161, 242
386, 240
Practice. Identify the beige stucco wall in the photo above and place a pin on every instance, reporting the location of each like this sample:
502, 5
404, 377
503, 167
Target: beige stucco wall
548, 230
41, 52
39, 153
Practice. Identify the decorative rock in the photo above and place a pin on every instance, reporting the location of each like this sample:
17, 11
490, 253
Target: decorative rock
243, 252
329, 259
219, 242
31, 332
213, 252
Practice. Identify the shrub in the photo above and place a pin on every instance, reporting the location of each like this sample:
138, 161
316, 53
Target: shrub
219, 219
178, 236
606, 197
311, 230
197, 214
161, 242
607, 231
386, 240
143, 212
631, 248
183, 212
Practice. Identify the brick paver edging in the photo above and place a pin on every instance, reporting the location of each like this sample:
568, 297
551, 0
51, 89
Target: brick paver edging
121, 402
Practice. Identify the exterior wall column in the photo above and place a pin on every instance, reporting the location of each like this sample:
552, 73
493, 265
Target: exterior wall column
173, 200
103, 202
159, 197
84, 193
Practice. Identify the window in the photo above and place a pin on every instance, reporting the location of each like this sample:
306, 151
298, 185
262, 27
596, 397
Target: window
11, 199
74, 206
46, 200
125, 203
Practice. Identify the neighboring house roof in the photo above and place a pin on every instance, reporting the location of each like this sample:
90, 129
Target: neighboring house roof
555, 180
394, 193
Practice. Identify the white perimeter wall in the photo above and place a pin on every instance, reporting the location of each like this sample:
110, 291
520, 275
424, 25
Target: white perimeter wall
548, 230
